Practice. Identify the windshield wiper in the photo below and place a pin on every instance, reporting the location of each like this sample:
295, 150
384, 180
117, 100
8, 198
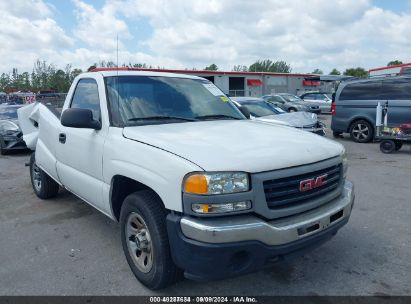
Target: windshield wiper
216, 116
160, 117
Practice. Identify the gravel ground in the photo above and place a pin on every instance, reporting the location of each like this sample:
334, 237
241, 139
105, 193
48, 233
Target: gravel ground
65, 247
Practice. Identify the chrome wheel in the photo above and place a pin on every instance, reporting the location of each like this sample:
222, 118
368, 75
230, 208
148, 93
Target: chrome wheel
139, 242
36, 177
361, 132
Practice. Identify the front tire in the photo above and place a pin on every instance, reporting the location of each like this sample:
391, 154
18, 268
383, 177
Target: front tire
292, 110
387, 146
361, 131
43, 185
145, 240
3, 151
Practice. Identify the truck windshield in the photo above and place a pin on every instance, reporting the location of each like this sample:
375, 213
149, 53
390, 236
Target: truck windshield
142, 100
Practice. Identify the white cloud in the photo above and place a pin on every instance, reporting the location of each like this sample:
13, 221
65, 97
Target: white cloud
98, 29
27, 33
307, 34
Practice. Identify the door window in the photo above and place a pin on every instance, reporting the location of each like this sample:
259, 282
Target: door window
86, 97
309, 96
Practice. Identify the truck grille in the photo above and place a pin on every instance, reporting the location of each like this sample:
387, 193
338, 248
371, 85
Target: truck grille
285, 192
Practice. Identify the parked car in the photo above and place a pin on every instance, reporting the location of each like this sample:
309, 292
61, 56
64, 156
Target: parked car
288, 106
294, 99
323, 100
11, 137
264, 111
197, 187
356, 102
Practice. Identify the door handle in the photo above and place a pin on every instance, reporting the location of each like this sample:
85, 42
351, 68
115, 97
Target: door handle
62, 138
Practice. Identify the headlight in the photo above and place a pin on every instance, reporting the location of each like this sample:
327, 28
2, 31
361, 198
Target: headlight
7, 125
216, 183
221, 208
344, 163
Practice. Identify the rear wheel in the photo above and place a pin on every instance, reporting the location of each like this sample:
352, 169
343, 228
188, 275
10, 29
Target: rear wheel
387, 146
43, 185
361, 131
292, 110
145, 240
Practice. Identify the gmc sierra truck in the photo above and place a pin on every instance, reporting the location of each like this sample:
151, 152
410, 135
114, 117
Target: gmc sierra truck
198, 189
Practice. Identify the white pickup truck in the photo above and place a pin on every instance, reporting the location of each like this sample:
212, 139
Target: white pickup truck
197, 188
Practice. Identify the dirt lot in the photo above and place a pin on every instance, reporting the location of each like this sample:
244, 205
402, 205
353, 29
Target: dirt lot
65, 247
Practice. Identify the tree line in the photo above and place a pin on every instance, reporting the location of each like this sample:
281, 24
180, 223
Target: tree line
46, 76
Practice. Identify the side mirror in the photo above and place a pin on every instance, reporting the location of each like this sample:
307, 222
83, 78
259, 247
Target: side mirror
79, 118
245, 111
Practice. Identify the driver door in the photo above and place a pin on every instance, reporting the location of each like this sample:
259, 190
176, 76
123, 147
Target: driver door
80, 151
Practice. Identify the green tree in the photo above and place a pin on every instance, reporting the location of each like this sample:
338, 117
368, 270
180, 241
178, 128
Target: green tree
74, 73
211, 67
268, 65
335, 72
4, 82
356, 72
394, 62
317, 71
240, 68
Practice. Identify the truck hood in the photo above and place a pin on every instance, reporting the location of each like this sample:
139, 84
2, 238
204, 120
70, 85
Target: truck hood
296, 119
236, 145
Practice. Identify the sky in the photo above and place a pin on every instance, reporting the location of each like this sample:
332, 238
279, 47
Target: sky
178, 34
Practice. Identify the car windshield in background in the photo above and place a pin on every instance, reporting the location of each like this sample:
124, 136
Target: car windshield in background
142, 100
8, 113
261, 108
292, 98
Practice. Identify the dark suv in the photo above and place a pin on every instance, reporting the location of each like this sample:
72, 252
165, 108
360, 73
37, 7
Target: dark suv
354, 108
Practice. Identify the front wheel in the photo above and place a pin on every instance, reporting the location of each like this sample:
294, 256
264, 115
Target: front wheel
292, 110
387, 146
145, 240
43, 185
3, 150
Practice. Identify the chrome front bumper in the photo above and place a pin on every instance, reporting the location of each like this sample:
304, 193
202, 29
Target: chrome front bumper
276, 232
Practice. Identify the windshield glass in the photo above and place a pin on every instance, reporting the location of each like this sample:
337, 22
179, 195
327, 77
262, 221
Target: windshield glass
292, 98
8, 112
141, 100
260, 109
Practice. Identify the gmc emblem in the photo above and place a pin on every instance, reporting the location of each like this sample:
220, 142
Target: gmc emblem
313, 183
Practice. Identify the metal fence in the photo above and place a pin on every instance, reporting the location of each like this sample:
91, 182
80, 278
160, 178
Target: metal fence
53, 99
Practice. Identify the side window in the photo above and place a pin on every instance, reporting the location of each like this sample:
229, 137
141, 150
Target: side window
321, 97
367, 90
86, 97
396, 89
309, 96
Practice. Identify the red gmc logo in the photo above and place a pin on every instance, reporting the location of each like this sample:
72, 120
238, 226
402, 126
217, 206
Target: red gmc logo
313, 183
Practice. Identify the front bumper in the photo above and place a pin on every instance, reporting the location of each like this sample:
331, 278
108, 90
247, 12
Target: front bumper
13, 142
316, 130
315, 111
212, 248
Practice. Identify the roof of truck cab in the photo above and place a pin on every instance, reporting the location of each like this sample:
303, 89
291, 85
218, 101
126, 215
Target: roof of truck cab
121, 72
